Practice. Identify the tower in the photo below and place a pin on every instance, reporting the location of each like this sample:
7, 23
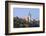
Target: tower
29, 14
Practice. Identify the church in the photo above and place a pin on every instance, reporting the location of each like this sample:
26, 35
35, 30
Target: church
29, 17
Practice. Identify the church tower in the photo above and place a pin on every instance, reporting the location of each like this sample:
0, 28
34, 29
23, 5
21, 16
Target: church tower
29, 14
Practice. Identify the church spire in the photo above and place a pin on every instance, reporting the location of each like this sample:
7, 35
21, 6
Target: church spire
29, 14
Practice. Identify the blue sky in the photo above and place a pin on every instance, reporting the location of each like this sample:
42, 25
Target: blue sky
24, 12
